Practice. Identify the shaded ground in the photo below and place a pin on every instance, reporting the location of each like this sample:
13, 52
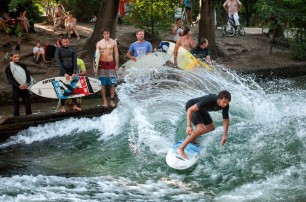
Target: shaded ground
248, 53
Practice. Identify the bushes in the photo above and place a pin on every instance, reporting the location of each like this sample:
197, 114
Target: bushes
299, 50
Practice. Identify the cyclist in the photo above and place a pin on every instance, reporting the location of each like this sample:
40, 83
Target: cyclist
233, 7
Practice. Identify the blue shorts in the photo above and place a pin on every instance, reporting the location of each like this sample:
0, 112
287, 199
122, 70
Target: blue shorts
108, 81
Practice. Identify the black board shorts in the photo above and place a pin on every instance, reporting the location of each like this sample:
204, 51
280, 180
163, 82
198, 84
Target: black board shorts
200, 117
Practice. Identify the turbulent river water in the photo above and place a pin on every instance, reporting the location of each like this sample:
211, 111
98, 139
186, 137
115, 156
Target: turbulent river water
121, 156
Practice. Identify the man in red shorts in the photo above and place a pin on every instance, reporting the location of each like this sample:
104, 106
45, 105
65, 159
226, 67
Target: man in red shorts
107, 66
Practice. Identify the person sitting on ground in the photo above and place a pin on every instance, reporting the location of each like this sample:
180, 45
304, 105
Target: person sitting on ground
3, 23
197, 114
59, 17
186, 41
21, 16
140, 47
50, 49
81, 71
177, 29
12, 28
202, 51
70, 25
39, 51
59, 40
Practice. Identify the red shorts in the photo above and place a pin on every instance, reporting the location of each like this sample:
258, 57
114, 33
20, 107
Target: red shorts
106, 65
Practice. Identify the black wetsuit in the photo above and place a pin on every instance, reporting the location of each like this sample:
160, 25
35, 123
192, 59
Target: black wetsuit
66, 59
200, 52
205, 104
17, 92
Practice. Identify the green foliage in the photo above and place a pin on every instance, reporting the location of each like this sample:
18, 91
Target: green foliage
286, 15
33, 12
154, 16
83, 10
299, 50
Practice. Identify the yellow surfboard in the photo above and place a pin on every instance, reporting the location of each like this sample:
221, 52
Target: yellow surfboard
185, 59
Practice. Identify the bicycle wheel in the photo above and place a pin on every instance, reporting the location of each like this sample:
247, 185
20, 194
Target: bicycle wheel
241, 30
228, 30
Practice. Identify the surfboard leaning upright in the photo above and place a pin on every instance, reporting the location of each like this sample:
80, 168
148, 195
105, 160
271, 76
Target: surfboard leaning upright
20, 75
97, 59
174, 160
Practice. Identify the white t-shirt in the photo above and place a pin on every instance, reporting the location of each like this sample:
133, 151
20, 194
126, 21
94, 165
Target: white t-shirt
36, 49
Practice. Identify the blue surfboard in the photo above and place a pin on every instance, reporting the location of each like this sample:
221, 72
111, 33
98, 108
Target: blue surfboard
174, 160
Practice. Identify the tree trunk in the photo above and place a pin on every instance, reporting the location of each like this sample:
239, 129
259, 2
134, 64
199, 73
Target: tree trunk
106, 18
207, 24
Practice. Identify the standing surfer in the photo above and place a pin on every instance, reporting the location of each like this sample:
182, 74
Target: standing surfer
197, 113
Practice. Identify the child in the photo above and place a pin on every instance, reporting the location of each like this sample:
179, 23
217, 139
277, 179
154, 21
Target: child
39, 51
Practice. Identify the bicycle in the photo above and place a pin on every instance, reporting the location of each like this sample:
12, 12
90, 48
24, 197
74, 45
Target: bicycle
230, 28
184, 16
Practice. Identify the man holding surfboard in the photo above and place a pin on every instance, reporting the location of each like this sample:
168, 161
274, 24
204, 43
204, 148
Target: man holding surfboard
66, 59
107, 67
197, 114
19, 89
140, 47
186, 41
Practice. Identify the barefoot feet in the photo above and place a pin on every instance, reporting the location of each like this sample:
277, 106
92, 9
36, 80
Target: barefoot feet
181, 153
112, 102
76, 108
63, 109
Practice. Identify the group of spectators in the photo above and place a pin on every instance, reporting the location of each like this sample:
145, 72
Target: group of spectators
69, 66
15, 23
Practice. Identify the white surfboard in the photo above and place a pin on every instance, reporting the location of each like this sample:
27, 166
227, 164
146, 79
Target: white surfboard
185, 59
151, 59
97, 59
60, 88
20, 75
174, 160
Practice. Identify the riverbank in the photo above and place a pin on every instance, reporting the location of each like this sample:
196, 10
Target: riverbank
244, 54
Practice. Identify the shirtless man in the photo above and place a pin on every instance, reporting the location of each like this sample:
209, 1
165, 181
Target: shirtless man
233, 7
186, 41
107, 66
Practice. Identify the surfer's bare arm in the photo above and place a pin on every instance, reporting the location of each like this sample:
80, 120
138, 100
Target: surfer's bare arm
116, 52
175, 52
225, 133
130, 56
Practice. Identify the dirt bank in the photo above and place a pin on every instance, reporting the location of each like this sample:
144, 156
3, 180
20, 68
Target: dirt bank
249, 53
